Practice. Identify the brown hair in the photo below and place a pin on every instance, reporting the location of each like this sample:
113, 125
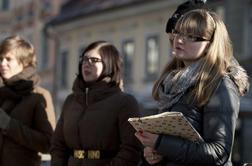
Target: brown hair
24, 51
111, 59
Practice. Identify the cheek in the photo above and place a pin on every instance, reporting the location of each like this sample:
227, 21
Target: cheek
17, 68
198, 51
99, 70
201, 52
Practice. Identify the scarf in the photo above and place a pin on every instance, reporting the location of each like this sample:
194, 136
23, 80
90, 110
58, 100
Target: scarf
175, 85
22, 84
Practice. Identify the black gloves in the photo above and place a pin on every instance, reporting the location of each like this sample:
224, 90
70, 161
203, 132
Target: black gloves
4, 119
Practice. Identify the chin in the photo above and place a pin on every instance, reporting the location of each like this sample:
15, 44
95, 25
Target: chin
89, 79
180, 57
6, 77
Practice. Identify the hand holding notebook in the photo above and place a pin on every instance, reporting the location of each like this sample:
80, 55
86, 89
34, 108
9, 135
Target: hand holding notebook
173, 123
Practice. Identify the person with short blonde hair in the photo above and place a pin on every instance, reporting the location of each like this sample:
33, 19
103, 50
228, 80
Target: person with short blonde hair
23, 50
27, 116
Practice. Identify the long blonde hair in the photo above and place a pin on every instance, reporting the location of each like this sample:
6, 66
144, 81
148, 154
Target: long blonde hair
217, 56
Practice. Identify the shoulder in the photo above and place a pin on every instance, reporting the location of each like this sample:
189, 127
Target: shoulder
128, 105
226, 95
227, 86
40, 91
126, 98
129, 102
69, 100
42, 97
46, 102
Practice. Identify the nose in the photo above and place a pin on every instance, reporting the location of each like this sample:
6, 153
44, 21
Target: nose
86, 64
3, 61
179, 39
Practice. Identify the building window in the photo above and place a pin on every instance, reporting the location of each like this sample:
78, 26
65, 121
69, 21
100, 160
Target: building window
46, 8
152, 57
63, 71
19, 14
128, 52
5, 4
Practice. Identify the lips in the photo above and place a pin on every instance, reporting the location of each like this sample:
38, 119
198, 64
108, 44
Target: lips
87, 72
178, 48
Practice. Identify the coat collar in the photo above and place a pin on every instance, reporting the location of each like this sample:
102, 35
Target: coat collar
88, 93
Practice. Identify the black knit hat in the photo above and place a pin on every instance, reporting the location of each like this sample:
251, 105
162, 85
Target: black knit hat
181, 10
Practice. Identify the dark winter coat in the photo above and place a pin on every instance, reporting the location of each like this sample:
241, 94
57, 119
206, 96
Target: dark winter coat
32, 120
95, 118
215, 121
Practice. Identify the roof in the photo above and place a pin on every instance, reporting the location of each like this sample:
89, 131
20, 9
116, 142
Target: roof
75, 9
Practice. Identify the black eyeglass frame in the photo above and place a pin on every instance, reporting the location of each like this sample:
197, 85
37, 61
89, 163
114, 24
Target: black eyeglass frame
187, 37
91, 60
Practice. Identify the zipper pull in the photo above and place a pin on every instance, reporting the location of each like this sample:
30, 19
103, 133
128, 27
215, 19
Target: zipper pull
86, 92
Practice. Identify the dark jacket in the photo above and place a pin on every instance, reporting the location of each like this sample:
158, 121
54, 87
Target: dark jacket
215, 122
31, 125
95, 118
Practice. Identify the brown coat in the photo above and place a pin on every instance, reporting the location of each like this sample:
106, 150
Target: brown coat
29, 131
95, 118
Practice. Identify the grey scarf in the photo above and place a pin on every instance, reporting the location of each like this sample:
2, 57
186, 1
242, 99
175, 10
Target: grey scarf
175, 85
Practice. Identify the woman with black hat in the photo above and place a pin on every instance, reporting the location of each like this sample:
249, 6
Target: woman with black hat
204, 82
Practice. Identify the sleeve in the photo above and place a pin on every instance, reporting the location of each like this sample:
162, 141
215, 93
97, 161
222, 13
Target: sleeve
219, 121
59, 150
130, 148
36, 137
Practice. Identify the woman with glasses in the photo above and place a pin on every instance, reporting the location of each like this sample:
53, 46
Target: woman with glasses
27, 116
93, 129
204, 82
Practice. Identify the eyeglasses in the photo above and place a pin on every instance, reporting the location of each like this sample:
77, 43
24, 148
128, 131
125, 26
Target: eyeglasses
91, 60
187, 37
